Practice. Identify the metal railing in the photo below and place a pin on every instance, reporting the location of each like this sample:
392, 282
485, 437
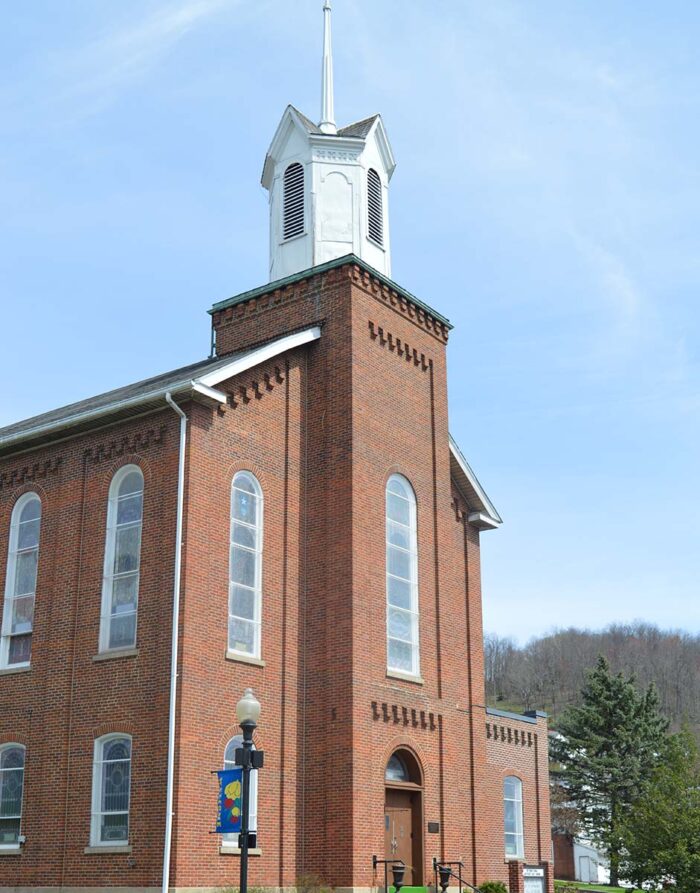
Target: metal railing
443, 871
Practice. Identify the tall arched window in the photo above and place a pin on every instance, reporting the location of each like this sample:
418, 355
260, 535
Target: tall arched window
401, 577
120, 589
111, 791
245, 575
513, 816
375, 209
229, 763
20, 586
293, 201
11, 785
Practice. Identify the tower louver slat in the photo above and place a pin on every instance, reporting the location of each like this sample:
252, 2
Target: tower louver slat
374, 207
293, 212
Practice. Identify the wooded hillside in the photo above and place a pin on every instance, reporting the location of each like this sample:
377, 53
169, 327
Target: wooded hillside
548, 673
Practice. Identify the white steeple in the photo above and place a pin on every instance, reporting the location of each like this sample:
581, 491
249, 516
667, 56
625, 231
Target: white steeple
327, 122
328, 186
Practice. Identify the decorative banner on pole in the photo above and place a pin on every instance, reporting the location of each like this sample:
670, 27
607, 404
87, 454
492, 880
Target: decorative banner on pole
230, 805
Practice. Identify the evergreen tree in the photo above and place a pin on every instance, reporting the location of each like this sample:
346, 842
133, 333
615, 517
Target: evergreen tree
662, 832
608, 748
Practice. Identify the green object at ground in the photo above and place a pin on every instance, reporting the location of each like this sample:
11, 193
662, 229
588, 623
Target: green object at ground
593, 888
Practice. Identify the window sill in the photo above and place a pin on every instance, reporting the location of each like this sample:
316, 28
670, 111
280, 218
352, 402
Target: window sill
11, 850
10, 671
118, 652
230, 850
245, 659
106, 850
406, 677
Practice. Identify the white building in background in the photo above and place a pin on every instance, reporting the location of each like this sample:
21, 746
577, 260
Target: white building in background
591, 867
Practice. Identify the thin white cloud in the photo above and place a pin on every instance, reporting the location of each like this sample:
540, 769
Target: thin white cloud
119, 58
75, 83
617, 282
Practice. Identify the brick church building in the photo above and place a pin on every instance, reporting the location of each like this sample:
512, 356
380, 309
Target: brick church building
289, 514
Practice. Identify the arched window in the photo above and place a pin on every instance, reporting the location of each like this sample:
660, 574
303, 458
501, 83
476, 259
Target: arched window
396, 769
401, 577
513, 816
20, 586
245, 575
11, 785
120, 589
375, 210
293, 201
229, 763
403, 768
111, 791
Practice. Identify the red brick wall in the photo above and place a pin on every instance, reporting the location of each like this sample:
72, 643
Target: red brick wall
262, 436
67, 699
517, 748
563, 848
341, 414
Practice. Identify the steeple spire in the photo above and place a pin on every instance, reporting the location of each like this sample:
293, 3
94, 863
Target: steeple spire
327, 122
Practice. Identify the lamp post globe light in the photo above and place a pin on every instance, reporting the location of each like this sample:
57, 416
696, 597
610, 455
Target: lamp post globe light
248, 710
247, 713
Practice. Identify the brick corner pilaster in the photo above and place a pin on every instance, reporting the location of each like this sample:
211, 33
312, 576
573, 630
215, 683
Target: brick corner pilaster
516, 878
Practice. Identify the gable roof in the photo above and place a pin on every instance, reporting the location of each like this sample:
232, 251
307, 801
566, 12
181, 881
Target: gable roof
197, 381
483, 512
307, 122
359, 128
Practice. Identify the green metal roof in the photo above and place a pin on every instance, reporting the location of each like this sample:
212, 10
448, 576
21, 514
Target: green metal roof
323, 268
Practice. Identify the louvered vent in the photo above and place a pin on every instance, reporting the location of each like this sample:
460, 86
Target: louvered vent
293, 216
374, 206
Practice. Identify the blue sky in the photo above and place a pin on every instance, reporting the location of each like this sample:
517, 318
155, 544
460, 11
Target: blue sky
546, 200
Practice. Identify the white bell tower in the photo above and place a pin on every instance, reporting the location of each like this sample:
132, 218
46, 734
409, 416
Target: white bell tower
328, 186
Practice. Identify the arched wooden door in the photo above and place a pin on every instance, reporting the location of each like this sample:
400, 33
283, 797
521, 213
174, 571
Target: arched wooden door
403, 815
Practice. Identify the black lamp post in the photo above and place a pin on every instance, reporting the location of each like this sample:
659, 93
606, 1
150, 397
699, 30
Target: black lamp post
446, 870
398, 870
248, 713
445, 873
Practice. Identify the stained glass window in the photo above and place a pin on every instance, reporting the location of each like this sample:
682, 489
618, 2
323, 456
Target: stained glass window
20, 591
122, 560
111, 791
401, 577
245, 568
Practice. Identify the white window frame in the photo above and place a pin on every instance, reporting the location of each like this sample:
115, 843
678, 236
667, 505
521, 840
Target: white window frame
518, 834
412, 551
258, 551
4, 747
230, 763
108, 576
11, 578
97, 810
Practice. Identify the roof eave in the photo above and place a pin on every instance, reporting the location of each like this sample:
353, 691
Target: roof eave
385, 149
290, 118
190, 389
483, 514
201, 390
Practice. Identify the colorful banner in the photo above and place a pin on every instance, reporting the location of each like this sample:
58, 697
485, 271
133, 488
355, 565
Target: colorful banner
230, 801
